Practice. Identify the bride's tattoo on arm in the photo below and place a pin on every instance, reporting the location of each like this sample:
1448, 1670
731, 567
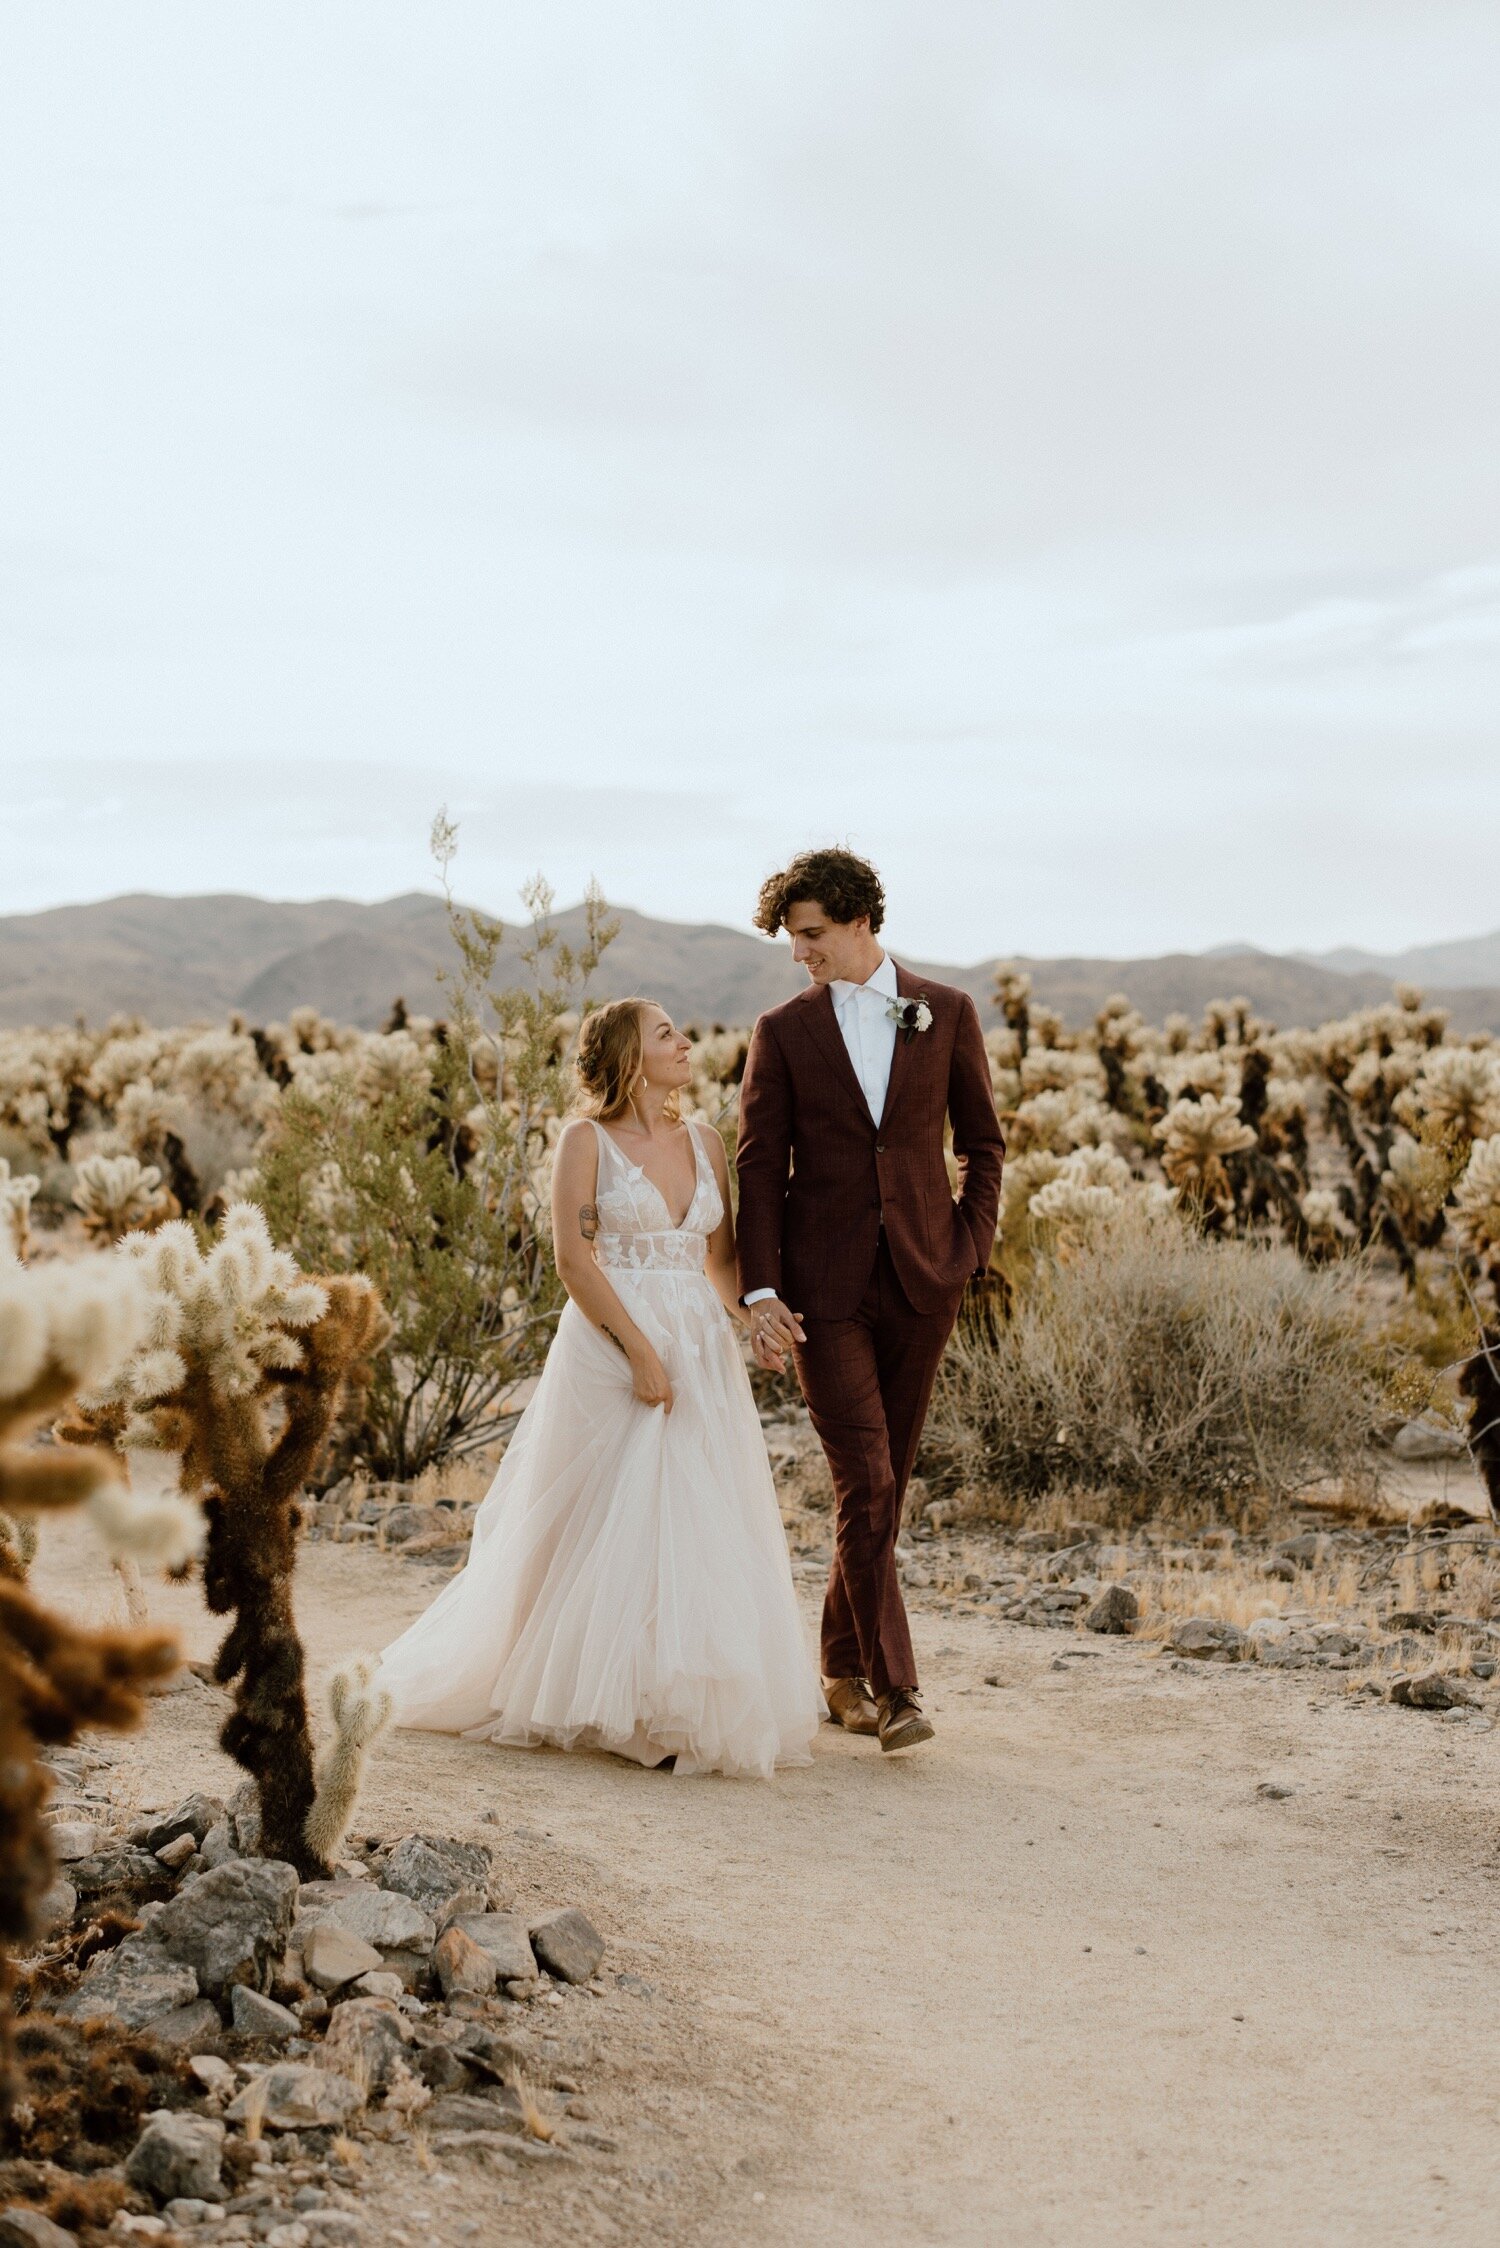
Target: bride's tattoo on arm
614, 1338
588, 1220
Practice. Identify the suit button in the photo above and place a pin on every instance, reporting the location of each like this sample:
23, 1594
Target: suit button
880, 1147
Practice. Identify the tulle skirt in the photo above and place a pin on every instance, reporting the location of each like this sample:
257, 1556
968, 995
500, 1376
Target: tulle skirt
628, 1586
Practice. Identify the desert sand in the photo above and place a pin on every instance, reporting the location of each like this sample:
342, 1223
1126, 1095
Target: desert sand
1068, 1974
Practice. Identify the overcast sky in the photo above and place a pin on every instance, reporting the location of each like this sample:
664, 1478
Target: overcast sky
1055, 450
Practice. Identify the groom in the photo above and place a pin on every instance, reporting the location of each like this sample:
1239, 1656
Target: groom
853, 1251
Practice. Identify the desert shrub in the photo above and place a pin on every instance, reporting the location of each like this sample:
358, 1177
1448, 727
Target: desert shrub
428, 1169
1162, 1370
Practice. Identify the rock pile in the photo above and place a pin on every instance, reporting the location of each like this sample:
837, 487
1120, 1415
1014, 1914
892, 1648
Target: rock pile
289, 2018
388, 1515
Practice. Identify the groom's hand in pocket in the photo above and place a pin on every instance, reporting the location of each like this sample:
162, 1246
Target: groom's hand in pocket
773, 1330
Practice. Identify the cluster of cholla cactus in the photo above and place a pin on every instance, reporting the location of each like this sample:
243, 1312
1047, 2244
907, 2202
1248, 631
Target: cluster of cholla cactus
240, 1368
1359, 1135
62, 1328
118, 1194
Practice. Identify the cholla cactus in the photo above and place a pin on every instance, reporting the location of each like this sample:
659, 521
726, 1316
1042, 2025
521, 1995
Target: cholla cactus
359, 1714
60, 1326
118, 1194
1476, 1200
15, 1208
1329, 1231
1013, 998
241, 1370
1459, 1088
1415, 1182
387, 1061
1196, 1138
1090, 1188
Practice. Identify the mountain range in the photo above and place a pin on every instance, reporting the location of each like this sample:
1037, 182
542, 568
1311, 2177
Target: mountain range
176, 960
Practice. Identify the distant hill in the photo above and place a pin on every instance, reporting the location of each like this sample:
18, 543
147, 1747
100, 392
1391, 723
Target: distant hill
1465, 963
176, 960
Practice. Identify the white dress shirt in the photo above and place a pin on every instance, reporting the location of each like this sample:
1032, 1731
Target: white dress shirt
862, 1012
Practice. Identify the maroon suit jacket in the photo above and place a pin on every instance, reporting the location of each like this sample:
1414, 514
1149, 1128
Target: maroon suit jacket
818, 1177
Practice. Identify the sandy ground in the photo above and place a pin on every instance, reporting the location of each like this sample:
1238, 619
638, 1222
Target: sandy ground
1063, 1976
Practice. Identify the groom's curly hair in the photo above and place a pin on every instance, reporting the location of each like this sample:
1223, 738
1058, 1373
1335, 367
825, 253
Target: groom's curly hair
844, 886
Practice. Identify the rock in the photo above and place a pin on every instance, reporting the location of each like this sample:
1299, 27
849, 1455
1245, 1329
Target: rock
334, 2228
567, 1944
441, 1876
1115, 1610
230, 1923
218, 1846
136, 1983
255, 2016
174, 1855
377, 1984
386, 1918
122, 1866
72, 1838
1331, 1639
1207, 1639
28, 2228
213, 2074
293, 2096
1428, 1440
413, 1969
56, 1906
405, 1522
21, 2227
1312, 1545
507, 1939
187, 2026
464, 1968
442, 2069
1272, 1791
331, 1956
195, 1815
471, 2111
185, 2210
493, 2055
1432, 1689
365, 2041
293, 2234
244, 1818
178, 2155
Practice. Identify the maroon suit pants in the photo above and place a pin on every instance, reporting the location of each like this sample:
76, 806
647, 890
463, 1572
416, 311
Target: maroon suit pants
867, 1381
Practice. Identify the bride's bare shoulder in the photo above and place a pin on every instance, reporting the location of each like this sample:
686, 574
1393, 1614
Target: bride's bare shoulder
578, 1141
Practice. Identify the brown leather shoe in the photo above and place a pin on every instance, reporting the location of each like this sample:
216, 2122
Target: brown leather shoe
851, 1704
902, 1724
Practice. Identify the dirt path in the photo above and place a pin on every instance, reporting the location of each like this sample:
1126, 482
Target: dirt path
1063, 1976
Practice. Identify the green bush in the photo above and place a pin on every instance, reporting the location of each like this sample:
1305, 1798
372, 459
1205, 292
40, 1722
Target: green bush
436, 1186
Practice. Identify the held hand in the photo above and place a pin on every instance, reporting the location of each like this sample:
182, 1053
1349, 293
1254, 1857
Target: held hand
648, 1378
773, 1330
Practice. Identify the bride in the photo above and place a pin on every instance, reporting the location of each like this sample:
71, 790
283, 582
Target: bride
628, 1586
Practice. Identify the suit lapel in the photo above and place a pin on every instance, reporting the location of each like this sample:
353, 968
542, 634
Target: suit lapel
902, 1058
823, 1022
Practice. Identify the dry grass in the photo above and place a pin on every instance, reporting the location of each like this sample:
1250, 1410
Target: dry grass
1164, 1374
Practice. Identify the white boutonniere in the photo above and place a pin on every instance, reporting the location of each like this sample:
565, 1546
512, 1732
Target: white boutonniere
910, 1016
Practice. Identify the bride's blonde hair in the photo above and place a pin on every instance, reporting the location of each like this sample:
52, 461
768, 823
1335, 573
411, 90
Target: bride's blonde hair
611, 1049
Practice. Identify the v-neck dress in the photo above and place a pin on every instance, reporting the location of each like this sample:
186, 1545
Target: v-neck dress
628, 1585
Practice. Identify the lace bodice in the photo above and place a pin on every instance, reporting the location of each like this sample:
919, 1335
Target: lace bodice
636, 1233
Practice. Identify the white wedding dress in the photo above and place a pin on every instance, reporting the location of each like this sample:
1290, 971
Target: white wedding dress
628, 1585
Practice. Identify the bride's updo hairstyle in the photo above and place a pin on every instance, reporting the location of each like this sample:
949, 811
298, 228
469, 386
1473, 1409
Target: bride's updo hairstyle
611, 1048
